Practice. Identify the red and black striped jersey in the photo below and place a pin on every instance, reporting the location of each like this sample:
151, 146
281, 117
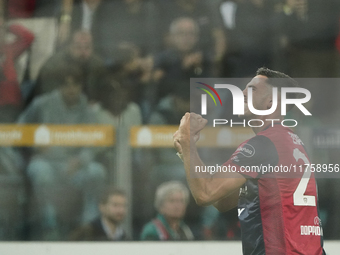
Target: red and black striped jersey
277, 208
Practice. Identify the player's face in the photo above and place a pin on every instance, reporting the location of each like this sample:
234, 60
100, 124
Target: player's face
262, 95
174, 206
115, 209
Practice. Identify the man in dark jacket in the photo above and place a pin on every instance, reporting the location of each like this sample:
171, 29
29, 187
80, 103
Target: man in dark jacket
113, 208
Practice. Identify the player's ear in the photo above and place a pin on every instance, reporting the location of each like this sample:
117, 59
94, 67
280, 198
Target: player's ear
270, 103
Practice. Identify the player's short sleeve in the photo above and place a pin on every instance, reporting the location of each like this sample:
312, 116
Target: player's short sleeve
250, 156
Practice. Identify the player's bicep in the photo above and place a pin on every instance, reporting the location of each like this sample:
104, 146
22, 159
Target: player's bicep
227, 203
222, 187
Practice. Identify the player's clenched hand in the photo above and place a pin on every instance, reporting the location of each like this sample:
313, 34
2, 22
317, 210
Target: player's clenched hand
182, 134
197, 123
190, 127
177, 145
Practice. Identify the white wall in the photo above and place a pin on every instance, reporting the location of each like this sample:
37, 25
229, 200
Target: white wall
134, 248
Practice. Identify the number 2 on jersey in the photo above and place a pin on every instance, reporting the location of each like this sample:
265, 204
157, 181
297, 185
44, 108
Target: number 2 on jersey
299, 197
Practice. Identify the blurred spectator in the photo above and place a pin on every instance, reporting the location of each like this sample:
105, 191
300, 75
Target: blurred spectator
184, 60
248, 29
132, 21
163, 164
171, 109
78, 15
171, 201
51, 169
310, 28
32, 8
11, 162
39, 16
12, 194
78, 53
83, 14
118, 110
132, 71
10, 94
208, 20
21, 8
107, 227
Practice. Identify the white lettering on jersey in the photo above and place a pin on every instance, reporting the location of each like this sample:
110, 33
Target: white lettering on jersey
316, 230
240, 211
296, 139
311, 231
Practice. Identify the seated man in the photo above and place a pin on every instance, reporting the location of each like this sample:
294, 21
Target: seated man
51, 168
78, 53
174, 67
113, 208
170, 202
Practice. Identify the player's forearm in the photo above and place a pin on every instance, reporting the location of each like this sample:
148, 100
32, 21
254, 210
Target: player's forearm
206, 189
202, 187
227, 203
197, 187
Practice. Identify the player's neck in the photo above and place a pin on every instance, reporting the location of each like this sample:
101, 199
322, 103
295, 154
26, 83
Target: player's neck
268, 122
257, 130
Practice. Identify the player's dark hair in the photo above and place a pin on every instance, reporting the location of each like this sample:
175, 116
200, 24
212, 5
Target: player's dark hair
110, 191
279, 80
276, 78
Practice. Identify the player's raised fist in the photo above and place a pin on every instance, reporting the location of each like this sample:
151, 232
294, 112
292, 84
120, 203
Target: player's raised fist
197, 123
191, 125
177, 144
